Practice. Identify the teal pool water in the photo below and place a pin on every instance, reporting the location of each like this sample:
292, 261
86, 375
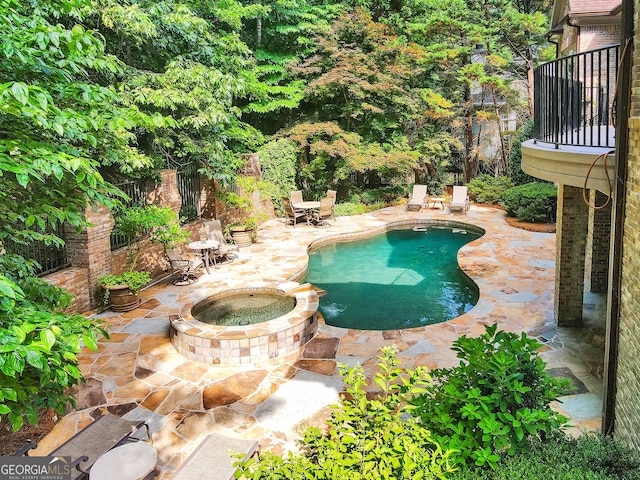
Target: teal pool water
399, 279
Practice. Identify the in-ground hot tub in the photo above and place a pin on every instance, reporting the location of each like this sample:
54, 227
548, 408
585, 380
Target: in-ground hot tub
242, 341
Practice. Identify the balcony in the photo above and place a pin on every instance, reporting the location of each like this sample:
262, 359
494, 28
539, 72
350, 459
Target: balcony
573, 124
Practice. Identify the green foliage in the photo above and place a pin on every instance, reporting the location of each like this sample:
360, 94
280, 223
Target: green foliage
518, 177
383, 195
39, 344
532, 202
488, 189
278, 162
589, 457
135, 280
349, 208
160, 224
495, 401
369, 436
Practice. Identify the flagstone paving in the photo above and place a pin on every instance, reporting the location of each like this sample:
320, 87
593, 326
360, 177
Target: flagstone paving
138, 374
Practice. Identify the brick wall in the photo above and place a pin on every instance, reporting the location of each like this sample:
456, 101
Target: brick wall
627, 405
598, 36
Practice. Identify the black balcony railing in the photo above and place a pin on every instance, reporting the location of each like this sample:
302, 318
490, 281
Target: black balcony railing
573, 99
49, 258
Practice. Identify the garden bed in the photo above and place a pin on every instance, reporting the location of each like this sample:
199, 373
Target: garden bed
531, 227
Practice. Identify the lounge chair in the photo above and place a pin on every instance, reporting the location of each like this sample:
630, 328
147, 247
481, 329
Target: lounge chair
89, 444
214, 232
459, 199
418, 198
291, 214
324, 212
184, 265
211, 459
296, 197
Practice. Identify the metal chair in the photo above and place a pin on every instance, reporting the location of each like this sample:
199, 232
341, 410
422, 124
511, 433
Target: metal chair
184, 265
214, 232
292, 214
324, 212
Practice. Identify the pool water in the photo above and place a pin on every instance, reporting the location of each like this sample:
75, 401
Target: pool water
399, 279
243, 309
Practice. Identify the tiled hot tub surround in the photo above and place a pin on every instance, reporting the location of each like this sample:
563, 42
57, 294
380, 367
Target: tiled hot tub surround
239, 345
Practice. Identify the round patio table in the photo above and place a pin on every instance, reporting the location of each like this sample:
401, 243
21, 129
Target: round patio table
308, 208
205, 246
131, 461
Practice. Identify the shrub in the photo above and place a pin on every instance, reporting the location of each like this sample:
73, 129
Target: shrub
383, 195
488, 189
589, 457
347, 209
496, 400
518, 177
367, 437
40, 344
531, 202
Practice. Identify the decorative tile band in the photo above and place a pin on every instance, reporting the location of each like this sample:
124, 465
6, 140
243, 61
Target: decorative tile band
240, 345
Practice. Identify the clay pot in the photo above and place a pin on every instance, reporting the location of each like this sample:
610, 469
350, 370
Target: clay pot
121, 299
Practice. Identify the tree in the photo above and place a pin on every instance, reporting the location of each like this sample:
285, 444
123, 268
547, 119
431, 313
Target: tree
60, 120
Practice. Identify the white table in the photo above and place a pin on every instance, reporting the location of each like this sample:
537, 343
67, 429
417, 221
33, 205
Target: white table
308, 208
435, 200
131, 461
205, 246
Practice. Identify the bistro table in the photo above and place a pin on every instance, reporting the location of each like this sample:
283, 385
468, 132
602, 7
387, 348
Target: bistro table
131, 461
308, 208
206, 246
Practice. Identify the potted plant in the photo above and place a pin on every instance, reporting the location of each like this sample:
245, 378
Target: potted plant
244, 233
160, 225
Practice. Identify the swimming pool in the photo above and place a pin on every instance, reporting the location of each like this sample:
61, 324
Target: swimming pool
398, 279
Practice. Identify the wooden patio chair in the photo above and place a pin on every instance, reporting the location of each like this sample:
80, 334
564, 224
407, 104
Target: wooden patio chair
89, 444
211, 459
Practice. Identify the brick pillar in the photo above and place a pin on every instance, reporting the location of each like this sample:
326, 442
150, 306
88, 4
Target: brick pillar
571, 235
91, 248
598, 243
166, 193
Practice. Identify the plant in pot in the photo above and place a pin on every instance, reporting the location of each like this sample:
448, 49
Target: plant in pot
160, 225
245, 233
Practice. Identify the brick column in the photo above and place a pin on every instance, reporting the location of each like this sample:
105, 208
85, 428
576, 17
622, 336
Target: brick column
166, 193
598, 243
91, 248
571, 234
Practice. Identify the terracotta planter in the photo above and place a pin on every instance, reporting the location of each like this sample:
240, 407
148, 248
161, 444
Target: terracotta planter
242, 237
121, 299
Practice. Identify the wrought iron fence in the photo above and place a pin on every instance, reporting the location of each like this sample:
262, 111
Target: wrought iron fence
137, 190
573, 99
189, 188
49, 258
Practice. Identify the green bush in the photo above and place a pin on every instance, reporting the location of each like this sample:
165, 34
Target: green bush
367, 437
278, 165
589, 457
496, 400
349, 208
488, 189
383, 195
531, 202
518, 177
40, 344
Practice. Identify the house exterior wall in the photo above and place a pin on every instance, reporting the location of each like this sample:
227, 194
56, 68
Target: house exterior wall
627, 406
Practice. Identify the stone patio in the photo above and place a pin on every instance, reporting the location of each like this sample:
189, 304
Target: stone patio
138, 374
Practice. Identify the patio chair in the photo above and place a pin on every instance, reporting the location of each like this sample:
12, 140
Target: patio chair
291, 214
211, 459
459, 199
214, 232
324, 212
89, 444
418, 198
333, 195
296, 197
184, 265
